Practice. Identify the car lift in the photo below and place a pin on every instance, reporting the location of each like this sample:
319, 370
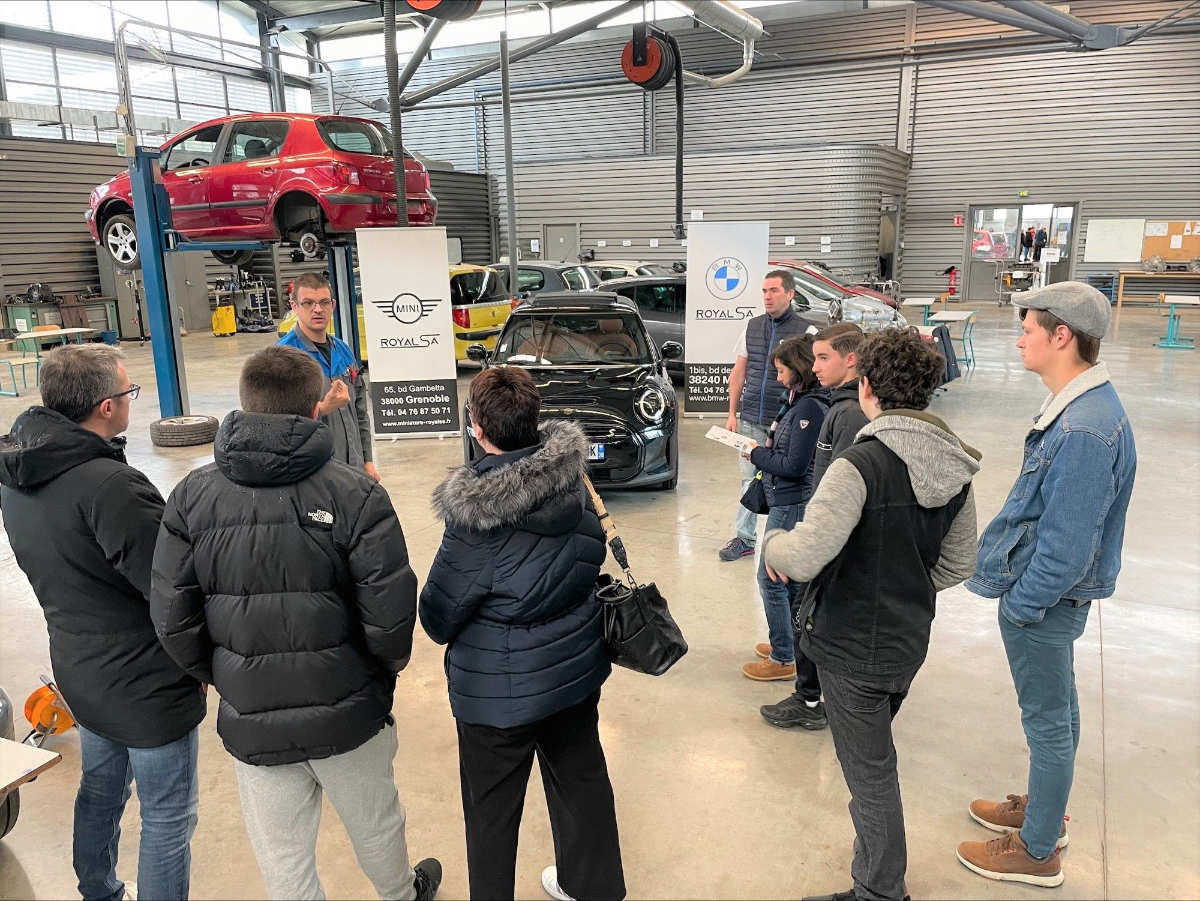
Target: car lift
156, 237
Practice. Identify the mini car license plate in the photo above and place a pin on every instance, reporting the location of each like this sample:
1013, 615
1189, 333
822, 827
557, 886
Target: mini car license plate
595, 451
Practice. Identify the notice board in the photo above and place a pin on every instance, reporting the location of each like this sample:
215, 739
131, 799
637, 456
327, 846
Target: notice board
1174, 241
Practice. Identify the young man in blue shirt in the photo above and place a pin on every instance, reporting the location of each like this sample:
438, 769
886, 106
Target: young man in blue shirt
1054, 548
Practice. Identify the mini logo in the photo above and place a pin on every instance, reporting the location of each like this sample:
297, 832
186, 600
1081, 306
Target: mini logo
407, 308
726, 278
324, 517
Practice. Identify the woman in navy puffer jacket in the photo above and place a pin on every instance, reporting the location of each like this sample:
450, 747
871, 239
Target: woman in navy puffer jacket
510, 594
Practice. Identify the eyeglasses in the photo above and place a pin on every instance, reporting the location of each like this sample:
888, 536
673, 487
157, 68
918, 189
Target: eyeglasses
132, 391
318, 304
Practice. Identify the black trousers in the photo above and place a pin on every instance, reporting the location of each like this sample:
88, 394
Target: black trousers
494, 767
808, 682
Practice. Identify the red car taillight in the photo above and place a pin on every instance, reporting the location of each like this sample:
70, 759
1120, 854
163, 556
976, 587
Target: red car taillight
346, 174
462, 317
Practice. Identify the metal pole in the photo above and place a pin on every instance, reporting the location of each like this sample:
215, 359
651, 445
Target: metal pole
393, 80
995, 13
509, 180
418, 54
491, 65
1072, 25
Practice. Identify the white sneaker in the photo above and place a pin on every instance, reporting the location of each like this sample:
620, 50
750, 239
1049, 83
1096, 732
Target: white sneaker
551, 886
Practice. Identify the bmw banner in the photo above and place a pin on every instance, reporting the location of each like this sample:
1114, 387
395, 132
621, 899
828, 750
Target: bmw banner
405, 280
726, 263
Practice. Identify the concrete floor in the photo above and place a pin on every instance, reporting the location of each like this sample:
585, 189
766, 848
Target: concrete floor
712, 802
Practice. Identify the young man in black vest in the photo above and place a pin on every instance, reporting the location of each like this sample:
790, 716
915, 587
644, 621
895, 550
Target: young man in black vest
891, 524
755, 390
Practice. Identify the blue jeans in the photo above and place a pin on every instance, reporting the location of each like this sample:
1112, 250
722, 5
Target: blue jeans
775, 594
168, 793
1041, 657
745, 522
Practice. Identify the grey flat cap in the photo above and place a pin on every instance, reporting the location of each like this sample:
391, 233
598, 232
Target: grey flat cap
1080, 306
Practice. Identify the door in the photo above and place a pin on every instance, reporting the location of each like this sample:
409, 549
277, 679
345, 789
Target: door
992, 240
1062, 223
561, 242
242, 188
186, 167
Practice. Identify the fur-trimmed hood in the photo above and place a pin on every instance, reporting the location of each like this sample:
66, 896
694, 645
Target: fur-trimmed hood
540, 490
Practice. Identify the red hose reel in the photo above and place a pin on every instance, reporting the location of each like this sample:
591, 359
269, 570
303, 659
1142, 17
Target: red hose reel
651, 68
444, 9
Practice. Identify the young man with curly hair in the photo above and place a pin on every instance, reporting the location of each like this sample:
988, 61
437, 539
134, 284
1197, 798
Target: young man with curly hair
891, 523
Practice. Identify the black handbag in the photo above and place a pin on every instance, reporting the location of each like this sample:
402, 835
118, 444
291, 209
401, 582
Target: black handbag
639, 632
755, 498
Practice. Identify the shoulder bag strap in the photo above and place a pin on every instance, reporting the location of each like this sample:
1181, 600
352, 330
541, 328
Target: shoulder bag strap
610, 531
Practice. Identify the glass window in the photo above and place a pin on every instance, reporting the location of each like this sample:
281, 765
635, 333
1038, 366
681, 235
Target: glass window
991, 228
96, 100
530, 279
656, 298
199, 16
194, 150
92, 19
814, 287
255, 140
151, 80
83, 70
33, 13
607, 272
573, 279
356, 137
199, 87
467, 287
572, 339
247, 94
299, 100
193, 112
27, 62
31, 93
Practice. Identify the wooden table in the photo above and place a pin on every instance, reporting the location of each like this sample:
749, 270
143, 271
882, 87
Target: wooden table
1134, 274
20, 763
1173, 339
923, 302
64, 333
966, 339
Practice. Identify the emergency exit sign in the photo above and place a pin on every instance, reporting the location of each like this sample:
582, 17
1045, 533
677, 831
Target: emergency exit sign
958, 221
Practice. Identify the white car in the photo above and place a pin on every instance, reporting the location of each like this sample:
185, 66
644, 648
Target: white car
608, 269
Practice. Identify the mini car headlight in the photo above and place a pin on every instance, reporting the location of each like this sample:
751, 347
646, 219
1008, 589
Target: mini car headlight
651, 405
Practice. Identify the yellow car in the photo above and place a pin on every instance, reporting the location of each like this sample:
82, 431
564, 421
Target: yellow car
480, 304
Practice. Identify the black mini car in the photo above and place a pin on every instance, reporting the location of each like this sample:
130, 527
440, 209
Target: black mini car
595, 365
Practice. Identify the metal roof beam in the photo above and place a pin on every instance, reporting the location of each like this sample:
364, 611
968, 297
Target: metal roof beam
994, 13
1091, 36
360, 12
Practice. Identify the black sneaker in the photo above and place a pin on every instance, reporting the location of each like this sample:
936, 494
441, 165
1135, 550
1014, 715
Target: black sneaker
839, 896
792, 712
736, 550
427, 877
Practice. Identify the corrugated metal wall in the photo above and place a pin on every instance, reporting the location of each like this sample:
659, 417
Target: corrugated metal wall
44, 188
805, 192
464, 208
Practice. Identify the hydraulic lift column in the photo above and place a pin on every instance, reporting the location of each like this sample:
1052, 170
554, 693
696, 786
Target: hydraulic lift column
341, 280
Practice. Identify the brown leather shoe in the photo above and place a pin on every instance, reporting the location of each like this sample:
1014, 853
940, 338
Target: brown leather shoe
768, 670
763, 650
1007, 860
1008, 815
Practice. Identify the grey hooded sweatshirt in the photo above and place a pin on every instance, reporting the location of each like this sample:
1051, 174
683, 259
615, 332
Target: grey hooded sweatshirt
939, 465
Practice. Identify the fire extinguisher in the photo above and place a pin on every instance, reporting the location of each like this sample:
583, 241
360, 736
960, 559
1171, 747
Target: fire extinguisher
951, 273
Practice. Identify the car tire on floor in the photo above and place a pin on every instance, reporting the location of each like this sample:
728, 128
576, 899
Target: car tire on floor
183, 431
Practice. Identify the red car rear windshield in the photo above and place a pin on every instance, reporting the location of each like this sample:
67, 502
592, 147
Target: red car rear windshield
351, 136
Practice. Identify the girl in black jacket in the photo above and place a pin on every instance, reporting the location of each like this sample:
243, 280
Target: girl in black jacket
510, 594
785, 467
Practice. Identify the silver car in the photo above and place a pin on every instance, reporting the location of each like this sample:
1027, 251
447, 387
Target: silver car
867, 313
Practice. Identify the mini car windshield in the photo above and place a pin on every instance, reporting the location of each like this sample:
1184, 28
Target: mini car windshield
573, 339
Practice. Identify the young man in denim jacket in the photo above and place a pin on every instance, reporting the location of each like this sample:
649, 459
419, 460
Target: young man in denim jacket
1054, 548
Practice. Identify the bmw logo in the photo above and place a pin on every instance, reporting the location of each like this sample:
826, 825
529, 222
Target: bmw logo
726, 278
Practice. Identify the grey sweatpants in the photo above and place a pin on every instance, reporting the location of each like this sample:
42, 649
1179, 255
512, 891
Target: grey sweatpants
282, 808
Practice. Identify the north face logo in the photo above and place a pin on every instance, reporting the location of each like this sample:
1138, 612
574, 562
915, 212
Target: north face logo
324, 517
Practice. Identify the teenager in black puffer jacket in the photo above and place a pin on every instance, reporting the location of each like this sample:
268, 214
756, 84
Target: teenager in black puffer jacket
510, 593
785, 462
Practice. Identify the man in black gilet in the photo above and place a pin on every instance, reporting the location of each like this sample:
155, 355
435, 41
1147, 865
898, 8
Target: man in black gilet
754, 388
891, 524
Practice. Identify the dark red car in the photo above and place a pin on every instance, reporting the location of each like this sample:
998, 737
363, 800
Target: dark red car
292, 177
822, 274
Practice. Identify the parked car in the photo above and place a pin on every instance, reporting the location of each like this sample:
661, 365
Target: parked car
536, 276
292, 177
480, 304
595, 364
662, 302
821, 273
610, 269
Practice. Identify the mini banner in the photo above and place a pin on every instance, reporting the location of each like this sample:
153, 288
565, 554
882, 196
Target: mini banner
404, 273
726, 264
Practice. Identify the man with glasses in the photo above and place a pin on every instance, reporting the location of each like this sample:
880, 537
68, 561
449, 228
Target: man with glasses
82, 525
344, 406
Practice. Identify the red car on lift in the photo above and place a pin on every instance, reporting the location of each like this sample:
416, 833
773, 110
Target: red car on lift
820, 273
292, 177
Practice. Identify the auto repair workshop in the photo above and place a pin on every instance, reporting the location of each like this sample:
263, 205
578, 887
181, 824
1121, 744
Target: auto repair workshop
708, 378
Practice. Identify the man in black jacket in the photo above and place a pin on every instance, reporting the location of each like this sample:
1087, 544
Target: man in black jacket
82, 524
510, 594
891, 524
835, 356
281, 576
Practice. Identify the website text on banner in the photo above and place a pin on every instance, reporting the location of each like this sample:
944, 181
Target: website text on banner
406, 307
726, 262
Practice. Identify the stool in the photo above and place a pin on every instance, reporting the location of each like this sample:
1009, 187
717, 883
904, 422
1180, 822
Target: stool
1173, 340
12, 374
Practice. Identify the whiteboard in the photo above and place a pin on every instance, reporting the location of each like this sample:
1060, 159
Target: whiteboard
1114, 240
